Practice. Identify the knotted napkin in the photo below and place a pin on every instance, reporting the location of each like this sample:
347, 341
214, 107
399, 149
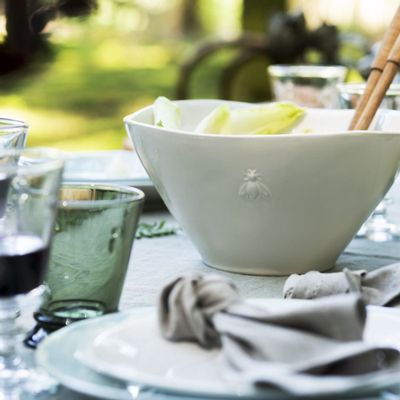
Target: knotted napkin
379, 287
302, 347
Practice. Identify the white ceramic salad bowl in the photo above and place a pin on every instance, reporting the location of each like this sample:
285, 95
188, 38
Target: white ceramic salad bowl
269, 204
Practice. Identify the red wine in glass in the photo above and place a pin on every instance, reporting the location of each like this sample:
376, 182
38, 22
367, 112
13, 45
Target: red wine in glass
23, 260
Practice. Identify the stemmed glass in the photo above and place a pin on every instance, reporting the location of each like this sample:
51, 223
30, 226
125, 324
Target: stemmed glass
12, 133
377, 228
29, 183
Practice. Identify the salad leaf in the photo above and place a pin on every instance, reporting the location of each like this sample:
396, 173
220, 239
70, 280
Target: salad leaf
217, 121
268, 119
264, 119
166, 113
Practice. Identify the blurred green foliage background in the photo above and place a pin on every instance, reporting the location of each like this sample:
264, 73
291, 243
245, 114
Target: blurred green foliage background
113, 62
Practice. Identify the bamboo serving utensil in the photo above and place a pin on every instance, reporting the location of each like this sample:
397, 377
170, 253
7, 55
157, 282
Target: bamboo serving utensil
383, 70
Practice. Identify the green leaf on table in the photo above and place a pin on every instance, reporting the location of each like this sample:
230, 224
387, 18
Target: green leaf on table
155, 229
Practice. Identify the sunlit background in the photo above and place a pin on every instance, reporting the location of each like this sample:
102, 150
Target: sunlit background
127, 52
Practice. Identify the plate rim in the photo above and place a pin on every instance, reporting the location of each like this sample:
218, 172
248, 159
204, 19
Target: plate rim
94, 155
72, 382
123, 317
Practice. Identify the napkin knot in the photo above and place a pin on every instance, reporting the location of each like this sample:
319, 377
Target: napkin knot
188, 304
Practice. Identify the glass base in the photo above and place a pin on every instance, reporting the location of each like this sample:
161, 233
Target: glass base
26, 383
75, 310
58, 314
379, 230
19, 378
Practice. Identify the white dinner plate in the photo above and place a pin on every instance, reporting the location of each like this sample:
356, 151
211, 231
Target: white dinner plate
128, 347
118, 167
114, 166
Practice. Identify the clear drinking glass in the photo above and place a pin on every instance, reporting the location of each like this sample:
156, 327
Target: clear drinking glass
29, 182
307, 85
12, 133
377, 228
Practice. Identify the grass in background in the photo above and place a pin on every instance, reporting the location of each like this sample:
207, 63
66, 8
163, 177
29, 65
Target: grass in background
102, 70
77, 102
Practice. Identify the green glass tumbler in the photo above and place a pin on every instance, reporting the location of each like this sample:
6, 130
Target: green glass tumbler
93, 236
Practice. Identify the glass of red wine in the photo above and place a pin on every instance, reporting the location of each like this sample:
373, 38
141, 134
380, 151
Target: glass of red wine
29, 183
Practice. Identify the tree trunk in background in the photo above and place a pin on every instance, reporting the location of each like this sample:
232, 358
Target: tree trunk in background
190, 19
20, 39
256, 13
252, 83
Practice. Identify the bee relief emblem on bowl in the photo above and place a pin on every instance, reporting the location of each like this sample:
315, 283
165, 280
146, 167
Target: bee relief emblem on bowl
253, 187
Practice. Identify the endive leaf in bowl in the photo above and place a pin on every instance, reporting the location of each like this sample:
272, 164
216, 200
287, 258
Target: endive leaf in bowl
266, 119
166, 113
218, 121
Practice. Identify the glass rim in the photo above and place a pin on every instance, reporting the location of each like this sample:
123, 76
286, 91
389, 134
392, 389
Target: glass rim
136, 195
357, 88
52, 159
7, 124
307, 71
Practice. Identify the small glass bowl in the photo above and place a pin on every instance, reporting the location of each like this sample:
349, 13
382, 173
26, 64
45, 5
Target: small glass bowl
350, 94
307, 85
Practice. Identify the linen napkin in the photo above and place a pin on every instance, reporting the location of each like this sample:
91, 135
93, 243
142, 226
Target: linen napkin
302, 347
379, 287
